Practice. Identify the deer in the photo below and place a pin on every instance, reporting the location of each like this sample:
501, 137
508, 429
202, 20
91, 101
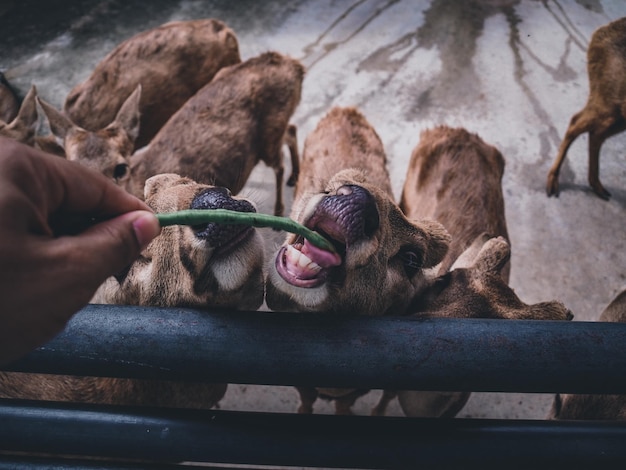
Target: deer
594, 406
107, 150
473, 288
382, 259
171, 63
234, 122
455, 178
217, 137
202, 267
23, 125
604, 114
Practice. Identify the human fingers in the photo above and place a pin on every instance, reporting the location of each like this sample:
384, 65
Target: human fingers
107, 247
53, 184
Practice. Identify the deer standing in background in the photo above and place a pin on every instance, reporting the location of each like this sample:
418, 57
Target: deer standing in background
455, 178
237, 120
217, 137
595, 406
170, 62
604, 114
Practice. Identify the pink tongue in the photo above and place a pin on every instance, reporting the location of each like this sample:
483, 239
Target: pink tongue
324, 258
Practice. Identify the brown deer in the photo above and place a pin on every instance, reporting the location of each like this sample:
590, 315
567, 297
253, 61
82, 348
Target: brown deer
473, 288
107, 150
604, 114
23, 126
237, 120
170, 62
217, 137
595, 406
381, 258
454, 177
197, 267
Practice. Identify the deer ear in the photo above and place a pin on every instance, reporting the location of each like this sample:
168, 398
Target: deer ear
493, 255
128, 115
59, 124
28, 110
469, 256
437, 241
157, 183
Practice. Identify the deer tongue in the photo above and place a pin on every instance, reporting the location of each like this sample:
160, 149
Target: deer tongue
324, 258
304, 264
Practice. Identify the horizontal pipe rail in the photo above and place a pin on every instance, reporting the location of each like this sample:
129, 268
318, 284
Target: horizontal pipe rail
337, 351
311, 440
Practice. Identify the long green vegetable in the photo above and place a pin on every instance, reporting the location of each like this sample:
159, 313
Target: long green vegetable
225, 216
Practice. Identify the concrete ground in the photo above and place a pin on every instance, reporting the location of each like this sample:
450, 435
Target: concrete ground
513, 71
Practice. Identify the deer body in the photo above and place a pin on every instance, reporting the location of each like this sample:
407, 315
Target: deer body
344, 191
170, 62
455, 178
595, 406
604, 114
222, 132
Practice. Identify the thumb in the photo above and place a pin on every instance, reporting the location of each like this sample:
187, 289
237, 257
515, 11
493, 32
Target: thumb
117, 242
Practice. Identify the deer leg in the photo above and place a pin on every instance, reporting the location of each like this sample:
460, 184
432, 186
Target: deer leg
576, 127
381, 408
343, 405
291, 140
613, 125
279, 207
595, 142
307, 398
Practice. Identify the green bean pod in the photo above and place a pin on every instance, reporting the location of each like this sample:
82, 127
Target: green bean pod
225, 216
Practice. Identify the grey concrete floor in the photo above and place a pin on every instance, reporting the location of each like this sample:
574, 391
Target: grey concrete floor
513, 71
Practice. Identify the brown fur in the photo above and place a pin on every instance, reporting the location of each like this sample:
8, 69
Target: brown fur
23, 126
9, 102
344, 158
587, 406
176, 270
604, 113
171, 63
231, 124
217, 137
179, 269
474, 288
455, 178
106, 150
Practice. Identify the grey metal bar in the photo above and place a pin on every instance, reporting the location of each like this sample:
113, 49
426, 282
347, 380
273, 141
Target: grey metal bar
338, 351
22, 462
308, 440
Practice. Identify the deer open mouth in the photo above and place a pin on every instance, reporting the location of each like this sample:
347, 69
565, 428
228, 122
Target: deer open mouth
302, 264
344, 219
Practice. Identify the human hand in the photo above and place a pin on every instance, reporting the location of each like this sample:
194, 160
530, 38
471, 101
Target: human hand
63, 230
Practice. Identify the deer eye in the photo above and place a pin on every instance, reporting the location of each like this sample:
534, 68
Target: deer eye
120, 171
411, 261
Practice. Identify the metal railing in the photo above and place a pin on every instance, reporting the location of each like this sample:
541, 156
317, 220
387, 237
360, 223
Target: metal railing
318, 350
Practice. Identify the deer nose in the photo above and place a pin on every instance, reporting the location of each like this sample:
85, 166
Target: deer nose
354, 210
219, 198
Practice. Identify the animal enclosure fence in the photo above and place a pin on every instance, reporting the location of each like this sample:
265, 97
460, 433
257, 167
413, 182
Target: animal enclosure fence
393, 353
